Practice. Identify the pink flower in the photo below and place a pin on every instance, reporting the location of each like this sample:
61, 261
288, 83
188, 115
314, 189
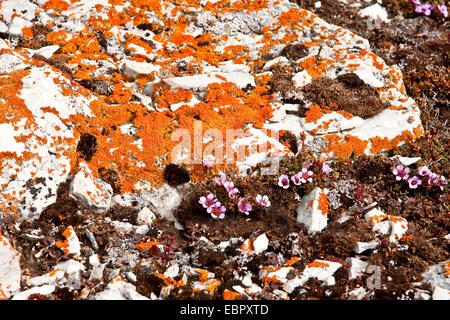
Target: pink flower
416, 1
442, 182
263, 201
231, 190
424, 171
217, 210
326, 169
220, 181
443, 10
283, 181
207, 201
306, 175
414, 182
424, 8
297, 179
208, 163
244, 206
401, 173
433, 179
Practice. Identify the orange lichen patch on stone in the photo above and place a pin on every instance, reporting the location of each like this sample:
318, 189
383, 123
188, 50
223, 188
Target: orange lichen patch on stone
27, 32
323, 203
315, 66
384, 144
318, 264
64, 245
167, 97
147, 245
230, 295
447, 269
169, 282
247, 246
57, 5
344, 148
377, 218
291, 261
314, 113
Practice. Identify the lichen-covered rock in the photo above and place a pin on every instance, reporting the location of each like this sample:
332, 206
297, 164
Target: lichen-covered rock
312, 211
10, 271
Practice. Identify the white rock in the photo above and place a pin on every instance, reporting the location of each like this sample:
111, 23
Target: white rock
46, 52
357, 294
118, 289
406, 161
10, 62
374, 11
49, 278
360, 247
70, 267
72, 243
17, 24
356, 268
3, 27
131, 276
146, 216
335, 122
309, 213
44, 290
25, 8
277, 61
144, 229
92, 193
94, 260
422, 295
260, 244
241, 79
322, 273
133, 68
97, 272
441, 294
172, 271
121, 226
301, 79
435, 276
385, 224
10, 272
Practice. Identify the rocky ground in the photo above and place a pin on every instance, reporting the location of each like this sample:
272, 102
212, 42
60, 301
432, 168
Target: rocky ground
92, 205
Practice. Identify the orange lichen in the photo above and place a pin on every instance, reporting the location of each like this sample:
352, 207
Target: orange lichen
318, 264
230, 295
323, 203
147, 245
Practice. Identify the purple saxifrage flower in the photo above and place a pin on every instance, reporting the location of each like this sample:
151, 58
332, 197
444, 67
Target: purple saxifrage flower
297, 179
230, 189
414, 182
217, 210
244, 206
401, 172
283, 181
424, 171
208, 201
263, 201
424, 8
220, 181
416, 1
306, 175
442, 182
433, 179
443, 10
326, 169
